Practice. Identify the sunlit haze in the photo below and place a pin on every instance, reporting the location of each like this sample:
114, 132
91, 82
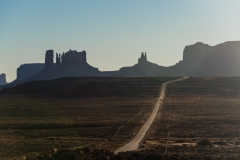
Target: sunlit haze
113, 33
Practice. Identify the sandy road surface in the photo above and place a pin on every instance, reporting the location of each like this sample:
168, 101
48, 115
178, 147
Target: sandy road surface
134, 143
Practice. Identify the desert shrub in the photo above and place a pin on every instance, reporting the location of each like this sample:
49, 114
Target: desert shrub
64, 154
40, 158
205, 142
231, 158
238, 156
83, 150
180, 141
97, 152
220, 143
50, 138
174, 157
130, 157
136, 154
209, 158
153, 156
68, 156
45, 156
101, 157
185, 158
100, 154
61, 151
237, 143
117, 157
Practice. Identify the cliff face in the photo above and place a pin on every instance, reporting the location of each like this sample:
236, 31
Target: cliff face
28, 70
69, 64
198, 60
142, 68
204, 60
193, 58
71, 57
3, 79
222, 60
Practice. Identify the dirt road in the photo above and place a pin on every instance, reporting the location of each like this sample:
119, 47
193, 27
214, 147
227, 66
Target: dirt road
134, 143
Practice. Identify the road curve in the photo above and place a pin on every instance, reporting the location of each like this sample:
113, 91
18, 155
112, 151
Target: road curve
134, 143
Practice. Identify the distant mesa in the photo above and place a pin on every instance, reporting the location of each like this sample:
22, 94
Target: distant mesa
143, 68
68, 58
203, 60
69, 64
26, 71
198, 60
3, 79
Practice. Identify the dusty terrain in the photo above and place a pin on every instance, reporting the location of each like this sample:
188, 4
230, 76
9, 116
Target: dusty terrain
135, 142
196, 109
45, 117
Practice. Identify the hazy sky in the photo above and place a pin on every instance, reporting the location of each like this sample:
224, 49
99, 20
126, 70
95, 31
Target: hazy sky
113, 32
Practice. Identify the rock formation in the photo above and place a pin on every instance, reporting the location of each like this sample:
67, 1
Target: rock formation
49, 59
143, 58
74, 57
221, 60
58, 59
69, 64
26, 71
198, 60
204, 60
142, 68
3, 79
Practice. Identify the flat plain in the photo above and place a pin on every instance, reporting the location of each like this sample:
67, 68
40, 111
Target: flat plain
196, 109
74, 112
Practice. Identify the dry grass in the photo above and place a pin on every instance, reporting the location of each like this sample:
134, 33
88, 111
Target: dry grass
33, 123
200, 108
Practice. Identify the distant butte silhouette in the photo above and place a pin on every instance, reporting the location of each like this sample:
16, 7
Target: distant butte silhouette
198, 60
3, 79
26, 71
69, 64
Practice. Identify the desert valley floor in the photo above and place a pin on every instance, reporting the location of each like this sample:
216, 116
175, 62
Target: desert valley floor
107, 112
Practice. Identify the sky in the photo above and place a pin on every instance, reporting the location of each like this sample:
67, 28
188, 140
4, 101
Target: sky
112, 32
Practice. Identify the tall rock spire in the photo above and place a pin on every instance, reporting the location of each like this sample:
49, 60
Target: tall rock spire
3, 79
143, 58
49, 59
58, 59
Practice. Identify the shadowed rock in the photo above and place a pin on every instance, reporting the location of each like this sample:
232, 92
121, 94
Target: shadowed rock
26, 71
198, 60
69, 64
49, 59
3, 79
204, 60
